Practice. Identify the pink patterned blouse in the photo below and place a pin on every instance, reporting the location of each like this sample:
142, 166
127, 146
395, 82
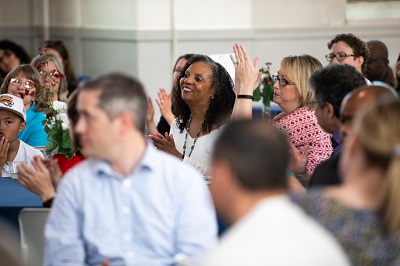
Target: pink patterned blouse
301, 127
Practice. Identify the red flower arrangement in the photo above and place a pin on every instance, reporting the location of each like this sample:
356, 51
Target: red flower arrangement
265, 89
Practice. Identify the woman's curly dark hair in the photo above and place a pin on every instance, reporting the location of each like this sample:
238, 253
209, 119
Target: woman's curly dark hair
221, 104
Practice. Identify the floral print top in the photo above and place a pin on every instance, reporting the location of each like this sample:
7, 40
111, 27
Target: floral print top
302, 128
360, 232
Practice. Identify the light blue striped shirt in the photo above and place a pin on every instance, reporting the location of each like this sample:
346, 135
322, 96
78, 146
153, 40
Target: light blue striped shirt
162, 210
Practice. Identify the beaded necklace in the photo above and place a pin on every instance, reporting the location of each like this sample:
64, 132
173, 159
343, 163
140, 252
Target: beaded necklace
187, 132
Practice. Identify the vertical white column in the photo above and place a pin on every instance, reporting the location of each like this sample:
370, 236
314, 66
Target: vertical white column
46, 20
174, 37
78, 34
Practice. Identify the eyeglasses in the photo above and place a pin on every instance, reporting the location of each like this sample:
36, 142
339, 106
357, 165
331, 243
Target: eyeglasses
27, 84
52, 74
339, 56
282, 82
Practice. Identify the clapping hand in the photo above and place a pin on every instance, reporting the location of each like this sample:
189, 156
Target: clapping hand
38, 179
165, 104
298, 163
165, 143
247, 73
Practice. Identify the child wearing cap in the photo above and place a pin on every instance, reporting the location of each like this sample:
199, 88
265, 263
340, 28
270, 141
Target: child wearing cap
13, 121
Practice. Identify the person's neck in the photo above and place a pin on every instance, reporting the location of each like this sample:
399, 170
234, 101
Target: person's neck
27, 106
198, 114
245, 201
334, 125
289, 108
128, 154
196, 122
361, 189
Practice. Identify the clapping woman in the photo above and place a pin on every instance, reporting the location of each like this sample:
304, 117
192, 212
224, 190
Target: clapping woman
164, 101
203, 104
296, 120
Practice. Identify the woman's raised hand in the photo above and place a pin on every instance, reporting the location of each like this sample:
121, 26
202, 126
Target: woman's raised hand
247, 73
165, 105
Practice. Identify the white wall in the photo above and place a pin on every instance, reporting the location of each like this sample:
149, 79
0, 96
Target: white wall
135, 36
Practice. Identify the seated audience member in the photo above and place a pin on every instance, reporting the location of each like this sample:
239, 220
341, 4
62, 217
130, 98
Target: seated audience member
45, 175
58, 49
203, 104
52, 75
296, 120
248, 187
128, 203
12, 121
363, 211
329, 86
11, 55
378, 68
350, 50
24, 82
327, 172
164, 101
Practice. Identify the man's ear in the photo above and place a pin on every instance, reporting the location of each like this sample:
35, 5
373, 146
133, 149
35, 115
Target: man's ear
22, 126
221, 174
329, 112
127, 121
360, 61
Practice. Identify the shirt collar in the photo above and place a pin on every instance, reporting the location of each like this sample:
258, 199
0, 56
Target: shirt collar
147, 162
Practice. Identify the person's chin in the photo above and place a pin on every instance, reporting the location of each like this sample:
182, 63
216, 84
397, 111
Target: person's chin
277, 100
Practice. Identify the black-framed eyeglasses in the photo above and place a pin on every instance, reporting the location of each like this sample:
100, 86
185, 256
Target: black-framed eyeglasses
282, 82
339, 56
27, 84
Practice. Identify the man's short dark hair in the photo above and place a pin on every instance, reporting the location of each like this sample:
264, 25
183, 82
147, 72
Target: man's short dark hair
120, 93
360, 48
331, 83
257, 153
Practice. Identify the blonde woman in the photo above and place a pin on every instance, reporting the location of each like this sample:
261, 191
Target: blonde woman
296, 120
363, 213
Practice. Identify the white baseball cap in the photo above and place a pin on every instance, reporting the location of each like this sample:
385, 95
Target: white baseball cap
14, 104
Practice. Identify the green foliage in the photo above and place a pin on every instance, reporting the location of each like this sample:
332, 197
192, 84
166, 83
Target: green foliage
56, 126
265, 89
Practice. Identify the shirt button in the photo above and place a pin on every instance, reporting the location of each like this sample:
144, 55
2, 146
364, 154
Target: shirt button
126, 210
127, 238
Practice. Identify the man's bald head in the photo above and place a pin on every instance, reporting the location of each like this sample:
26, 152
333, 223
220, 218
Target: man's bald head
377, 67
379, 49
357, 99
